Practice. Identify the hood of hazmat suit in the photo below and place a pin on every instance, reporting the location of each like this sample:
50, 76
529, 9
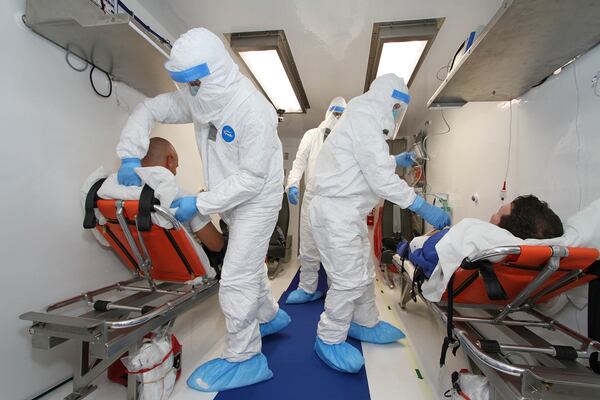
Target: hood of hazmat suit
311, 144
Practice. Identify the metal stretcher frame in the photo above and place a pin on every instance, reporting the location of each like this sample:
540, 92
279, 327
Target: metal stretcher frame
548, 371
104, 334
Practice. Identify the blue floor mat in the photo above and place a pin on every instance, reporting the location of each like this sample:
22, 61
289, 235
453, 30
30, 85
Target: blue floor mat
298, 371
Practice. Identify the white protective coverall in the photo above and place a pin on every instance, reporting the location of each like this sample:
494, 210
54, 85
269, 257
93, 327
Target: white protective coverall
304, 163
236, 134
353, 171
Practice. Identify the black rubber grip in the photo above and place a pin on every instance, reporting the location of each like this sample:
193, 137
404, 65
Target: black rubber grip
565, 353
490, 346
147, 309
101, 305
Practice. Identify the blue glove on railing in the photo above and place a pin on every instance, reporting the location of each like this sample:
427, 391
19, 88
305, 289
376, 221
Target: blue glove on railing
293, 195
405, 160
126, 175
186, 208
435, 216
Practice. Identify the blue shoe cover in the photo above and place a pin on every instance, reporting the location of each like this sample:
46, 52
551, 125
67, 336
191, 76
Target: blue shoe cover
299, 296
380, 333
281, 320
219, 374
342, 357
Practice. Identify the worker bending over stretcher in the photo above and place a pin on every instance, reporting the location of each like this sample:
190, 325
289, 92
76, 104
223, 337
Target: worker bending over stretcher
159, 168
353, 171
242, 162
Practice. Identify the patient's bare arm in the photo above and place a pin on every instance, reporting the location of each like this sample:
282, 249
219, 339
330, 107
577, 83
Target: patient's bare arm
210, 237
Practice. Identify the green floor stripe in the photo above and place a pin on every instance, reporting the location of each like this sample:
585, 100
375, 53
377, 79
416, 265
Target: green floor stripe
418, 374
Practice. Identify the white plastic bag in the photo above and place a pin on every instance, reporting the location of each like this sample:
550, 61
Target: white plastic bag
152, 365
467, 386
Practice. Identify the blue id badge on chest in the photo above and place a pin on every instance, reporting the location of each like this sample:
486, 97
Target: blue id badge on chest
212, 132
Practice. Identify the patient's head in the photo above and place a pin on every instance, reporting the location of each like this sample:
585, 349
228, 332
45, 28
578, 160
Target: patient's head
161, 153
527, 217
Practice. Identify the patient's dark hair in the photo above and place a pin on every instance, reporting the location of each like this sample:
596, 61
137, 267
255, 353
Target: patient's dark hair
531, 218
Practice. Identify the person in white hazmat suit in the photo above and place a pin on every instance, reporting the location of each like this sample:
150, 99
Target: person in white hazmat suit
353, 171
236, 133
309, 148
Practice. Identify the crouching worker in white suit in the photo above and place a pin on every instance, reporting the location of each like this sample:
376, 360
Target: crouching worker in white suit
236, 133
353, 171
158, 168
309, 149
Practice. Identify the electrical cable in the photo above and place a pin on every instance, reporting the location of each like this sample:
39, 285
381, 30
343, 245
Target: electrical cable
68, 53
510, 118
577, 162
110, 87
424, 142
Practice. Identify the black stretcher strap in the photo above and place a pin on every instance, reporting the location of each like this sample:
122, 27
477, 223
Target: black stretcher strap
466, 283
493, 287
594, 304
179, 252
121, 246
89, 220
449, 339
145, 208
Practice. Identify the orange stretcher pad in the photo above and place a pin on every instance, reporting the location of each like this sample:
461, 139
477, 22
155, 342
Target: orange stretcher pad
174, 257
515, 272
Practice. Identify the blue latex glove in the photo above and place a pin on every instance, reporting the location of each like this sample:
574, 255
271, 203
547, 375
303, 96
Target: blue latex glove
186, 208
219, 374
405, 160
280, 321
293, 195
437, 217
126, 175
342, 357
299, 296
380, 333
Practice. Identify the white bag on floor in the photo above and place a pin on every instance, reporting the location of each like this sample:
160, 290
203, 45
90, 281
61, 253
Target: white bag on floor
467, 386
153, 366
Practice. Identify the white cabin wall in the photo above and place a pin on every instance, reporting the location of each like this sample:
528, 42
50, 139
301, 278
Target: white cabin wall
554, 152
56, 132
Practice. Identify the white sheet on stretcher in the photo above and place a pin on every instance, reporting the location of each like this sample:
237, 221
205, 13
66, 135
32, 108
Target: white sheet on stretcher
165, 187
472, 236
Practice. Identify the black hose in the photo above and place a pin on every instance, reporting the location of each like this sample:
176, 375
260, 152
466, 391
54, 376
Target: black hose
110, 88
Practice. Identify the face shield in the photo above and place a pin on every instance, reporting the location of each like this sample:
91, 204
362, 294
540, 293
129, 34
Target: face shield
398, 112
333, 115
189, 81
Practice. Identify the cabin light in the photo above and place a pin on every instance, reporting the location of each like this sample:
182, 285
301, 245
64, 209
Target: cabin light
269, 58
409, 52
400, 48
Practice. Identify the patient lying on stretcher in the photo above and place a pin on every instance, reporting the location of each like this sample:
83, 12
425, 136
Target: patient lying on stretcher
526, 217
158, 170
525, 221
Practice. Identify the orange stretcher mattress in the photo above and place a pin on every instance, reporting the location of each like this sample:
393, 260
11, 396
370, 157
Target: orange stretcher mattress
515, 272
173, 257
